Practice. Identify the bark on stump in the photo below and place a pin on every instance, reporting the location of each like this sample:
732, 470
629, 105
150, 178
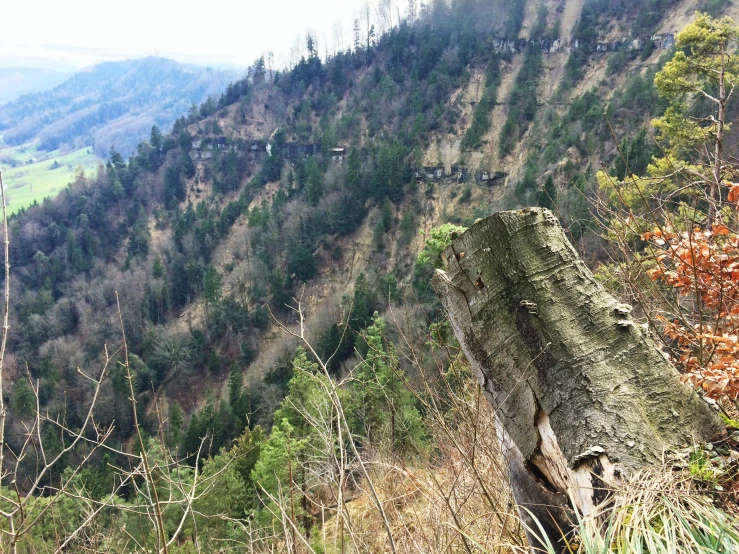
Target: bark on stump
582, 395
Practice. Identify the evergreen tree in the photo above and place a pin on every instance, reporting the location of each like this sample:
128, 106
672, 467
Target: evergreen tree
301, 263
156, 140
224, 427
383, 410
357, 41
174, 188
297, 448
188, 167
157, 269
214, 363
237, 397
638, 153
235, 384
208, 108
138, 242
314, 186
174, 423
390, 171
116, 159
276, 472
364, 303
548, 196
247, 451
335, 346
259, 71
192, 437
697, 84
407, 228
310, 45
213, 286
24, 401
354, 171
118, 190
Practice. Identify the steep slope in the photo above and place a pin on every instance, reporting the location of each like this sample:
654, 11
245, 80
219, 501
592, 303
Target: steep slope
314, 183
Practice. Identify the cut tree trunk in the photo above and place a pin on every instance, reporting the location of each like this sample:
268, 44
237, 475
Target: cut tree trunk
582, 395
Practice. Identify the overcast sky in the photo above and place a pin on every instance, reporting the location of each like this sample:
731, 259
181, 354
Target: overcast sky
76, 33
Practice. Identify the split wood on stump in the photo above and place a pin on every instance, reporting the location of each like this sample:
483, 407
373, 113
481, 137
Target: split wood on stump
582, 395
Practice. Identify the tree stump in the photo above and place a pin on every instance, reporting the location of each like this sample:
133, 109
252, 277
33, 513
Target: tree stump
582, 395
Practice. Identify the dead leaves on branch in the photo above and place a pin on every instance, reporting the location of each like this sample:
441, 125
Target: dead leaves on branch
703, 268
733, 195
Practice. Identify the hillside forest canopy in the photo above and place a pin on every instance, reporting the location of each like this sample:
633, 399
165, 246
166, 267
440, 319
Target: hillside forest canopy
229, 340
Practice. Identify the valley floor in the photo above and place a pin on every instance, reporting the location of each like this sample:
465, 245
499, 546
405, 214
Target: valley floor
41, 174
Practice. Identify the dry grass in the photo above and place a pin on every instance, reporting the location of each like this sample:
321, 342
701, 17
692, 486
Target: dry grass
659, 511
460, 503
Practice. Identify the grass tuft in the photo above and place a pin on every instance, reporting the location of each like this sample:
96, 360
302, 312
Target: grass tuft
660, 511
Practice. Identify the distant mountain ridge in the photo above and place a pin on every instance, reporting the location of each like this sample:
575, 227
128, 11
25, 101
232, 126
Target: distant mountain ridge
110, 104
16, 81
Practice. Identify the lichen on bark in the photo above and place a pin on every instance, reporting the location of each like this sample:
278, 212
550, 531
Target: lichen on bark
576, 385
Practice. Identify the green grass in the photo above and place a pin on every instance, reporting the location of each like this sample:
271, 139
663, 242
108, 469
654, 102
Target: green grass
35, 181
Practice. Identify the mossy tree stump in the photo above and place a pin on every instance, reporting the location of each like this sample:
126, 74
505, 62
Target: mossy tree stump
582, 395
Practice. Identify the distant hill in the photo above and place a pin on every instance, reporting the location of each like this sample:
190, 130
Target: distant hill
16, 81
110, 104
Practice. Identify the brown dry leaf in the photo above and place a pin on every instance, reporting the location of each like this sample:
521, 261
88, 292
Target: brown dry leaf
733, 193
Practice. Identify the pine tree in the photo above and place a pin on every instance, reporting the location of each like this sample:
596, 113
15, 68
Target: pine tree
354, 172
390, 168
213, 286
275, 474
407, 228
118, 190
235, 384
157, 269
191, 439
310, 45
156, 140
383, 410
174, 188
24, 400
237, 398
357, 41
697, 83
214, 363
116, 159
364, 303
259, 71
314, 186
174, 423
548, 196
138, 242
224, 427
378, 235
247, 452
297, 451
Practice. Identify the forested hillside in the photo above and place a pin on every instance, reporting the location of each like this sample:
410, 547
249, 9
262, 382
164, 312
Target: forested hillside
112, 103
16, 81
270, 260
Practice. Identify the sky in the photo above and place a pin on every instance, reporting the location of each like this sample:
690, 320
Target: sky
77, 33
